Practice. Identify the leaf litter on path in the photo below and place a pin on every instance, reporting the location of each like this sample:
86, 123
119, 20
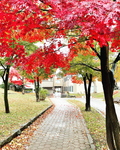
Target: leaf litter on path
21, 142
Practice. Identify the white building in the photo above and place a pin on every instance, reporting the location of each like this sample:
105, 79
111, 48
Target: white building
65, 85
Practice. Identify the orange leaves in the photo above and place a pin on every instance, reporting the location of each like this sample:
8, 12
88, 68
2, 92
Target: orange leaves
80, 48
24, 24
37, 35
21, 142
75, 79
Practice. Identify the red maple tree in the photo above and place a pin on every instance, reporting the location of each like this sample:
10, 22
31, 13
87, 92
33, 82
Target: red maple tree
98, 22
22, 20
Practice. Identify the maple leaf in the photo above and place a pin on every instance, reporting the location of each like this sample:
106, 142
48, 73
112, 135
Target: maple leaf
75, 79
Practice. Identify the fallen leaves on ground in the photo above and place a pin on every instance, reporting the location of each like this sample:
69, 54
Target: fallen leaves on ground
21, 142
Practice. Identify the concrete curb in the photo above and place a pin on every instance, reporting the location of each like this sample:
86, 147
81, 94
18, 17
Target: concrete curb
100, 112
18, 132
90, 139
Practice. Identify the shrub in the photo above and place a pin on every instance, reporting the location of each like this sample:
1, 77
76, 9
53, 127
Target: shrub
43, 93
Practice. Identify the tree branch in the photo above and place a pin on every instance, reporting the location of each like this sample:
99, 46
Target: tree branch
95, 69
42, 1
89, 76
114, 62
96, 52
2, 65
117, 58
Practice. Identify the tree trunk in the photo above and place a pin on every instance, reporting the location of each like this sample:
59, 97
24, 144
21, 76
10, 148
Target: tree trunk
5, 80
88, 107
112, 124
85, 86
87, 92
23, 86
37, 89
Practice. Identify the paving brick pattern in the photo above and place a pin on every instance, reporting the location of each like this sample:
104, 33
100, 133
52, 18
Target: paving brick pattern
63, 129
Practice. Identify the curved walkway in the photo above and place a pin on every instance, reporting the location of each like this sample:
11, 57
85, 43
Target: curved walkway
63, 129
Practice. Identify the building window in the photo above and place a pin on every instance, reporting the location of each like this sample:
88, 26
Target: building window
68, 88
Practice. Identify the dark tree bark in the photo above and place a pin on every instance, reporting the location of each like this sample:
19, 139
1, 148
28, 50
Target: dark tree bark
88, 107
85, 86
112, 124
87, 91
37, 89
5, 76
23, 86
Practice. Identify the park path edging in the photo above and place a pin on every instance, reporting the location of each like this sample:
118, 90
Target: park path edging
90, 139
18, 132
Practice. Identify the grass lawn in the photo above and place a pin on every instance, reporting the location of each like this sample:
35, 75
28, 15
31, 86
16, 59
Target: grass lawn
22, 109
101, 95
96, 125
98, 95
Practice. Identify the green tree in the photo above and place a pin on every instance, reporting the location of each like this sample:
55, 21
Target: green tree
86, 66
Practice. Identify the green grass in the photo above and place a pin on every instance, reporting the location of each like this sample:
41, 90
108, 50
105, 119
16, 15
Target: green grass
76, 94
101, 95
98, 95
22, 109
116, 93
96, 125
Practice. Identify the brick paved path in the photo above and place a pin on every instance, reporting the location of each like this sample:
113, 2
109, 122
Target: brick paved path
63, 129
